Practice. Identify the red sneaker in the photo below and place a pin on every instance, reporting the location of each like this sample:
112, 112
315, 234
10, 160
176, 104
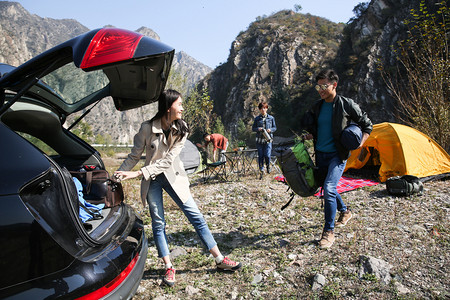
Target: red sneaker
169, 277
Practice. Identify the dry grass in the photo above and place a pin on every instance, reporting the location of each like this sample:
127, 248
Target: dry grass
411, 234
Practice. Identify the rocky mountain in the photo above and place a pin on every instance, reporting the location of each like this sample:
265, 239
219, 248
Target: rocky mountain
24, 35
191, 69
368, 43
274, 60
277, 58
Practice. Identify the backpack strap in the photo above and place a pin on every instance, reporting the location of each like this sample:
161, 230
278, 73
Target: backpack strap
88, 182
289, 202
415, 183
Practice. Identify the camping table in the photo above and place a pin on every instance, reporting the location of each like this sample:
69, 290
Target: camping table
240, 162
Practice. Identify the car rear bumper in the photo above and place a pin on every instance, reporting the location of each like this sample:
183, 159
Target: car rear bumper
128, 287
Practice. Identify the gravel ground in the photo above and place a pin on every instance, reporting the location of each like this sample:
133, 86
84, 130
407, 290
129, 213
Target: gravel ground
279, 250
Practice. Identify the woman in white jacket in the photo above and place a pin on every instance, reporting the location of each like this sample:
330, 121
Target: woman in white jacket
163, 137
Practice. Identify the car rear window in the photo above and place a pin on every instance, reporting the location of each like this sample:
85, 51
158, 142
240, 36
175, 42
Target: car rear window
39, 144
73, 84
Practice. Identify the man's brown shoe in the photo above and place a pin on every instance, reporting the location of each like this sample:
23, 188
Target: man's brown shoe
344, 217
327, 239
228, 265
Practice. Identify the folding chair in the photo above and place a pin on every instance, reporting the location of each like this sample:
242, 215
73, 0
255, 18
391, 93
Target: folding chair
215, 171
274, 165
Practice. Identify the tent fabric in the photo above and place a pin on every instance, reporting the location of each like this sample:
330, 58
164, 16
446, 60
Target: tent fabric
190, 156
402, 150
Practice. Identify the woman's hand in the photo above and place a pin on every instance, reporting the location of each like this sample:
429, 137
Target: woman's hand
124, 175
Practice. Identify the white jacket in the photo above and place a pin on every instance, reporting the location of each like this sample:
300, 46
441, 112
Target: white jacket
161, 156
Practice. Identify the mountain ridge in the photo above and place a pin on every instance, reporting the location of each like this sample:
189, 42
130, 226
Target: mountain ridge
24, 35
275, 59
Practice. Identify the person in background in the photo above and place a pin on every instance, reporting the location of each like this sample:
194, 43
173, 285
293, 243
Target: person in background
219, 142
163, 138
325, 122
262, 122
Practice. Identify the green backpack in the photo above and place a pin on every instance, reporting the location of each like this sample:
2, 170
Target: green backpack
298, 169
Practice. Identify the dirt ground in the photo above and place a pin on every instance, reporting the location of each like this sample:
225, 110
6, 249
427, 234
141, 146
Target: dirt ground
278, 249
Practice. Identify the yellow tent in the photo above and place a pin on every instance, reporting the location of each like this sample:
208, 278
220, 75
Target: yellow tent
400, 150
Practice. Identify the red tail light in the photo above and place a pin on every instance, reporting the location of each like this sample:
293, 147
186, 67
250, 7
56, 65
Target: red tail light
108, 288
110, 45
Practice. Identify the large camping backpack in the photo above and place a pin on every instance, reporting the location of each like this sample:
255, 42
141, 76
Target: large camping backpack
298, 169
405, 185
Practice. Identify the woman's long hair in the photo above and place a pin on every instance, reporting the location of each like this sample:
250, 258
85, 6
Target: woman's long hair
165, 101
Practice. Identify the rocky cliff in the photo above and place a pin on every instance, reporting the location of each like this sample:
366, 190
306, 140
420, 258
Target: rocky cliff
277, 55
368, 42
277, 58
23, 36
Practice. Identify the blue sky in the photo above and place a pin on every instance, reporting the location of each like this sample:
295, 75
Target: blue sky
204, 29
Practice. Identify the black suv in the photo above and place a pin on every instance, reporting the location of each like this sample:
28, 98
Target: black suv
46, 252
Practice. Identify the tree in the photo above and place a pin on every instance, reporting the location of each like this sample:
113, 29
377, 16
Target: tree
244, 133
360, 8
421, 81
280, 103
218, 126
297, 8
177, 81
83, 130
198, 112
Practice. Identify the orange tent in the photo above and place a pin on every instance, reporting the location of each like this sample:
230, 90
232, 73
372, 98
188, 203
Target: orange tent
400, 150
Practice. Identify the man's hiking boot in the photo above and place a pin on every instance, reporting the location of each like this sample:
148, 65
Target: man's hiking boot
269, 169
169, 277
344, 217
327, 239
228, 265
261, 174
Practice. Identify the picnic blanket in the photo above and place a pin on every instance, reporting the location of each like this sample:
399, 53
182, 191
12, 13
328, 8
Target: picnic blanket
345, 184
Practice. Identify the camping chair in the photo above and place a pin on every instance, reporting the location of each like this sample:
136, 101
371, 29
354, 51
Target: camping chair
215, 170
274, 164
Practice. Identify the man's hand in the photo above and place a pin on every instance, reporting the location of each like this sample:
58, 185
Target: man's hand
308, 136
365, 136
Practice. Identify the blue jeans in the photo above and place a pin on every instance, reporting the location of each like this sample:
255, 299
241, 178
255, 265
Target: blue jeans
264, 153
189, 208
332, 199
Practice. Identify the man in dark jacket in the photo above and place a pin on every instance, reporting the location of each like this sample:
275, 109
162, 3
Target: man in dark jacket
325, 122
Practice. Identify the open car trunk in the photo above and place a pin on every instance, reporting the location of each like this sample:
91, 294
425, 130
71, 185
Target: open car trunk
37, 97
